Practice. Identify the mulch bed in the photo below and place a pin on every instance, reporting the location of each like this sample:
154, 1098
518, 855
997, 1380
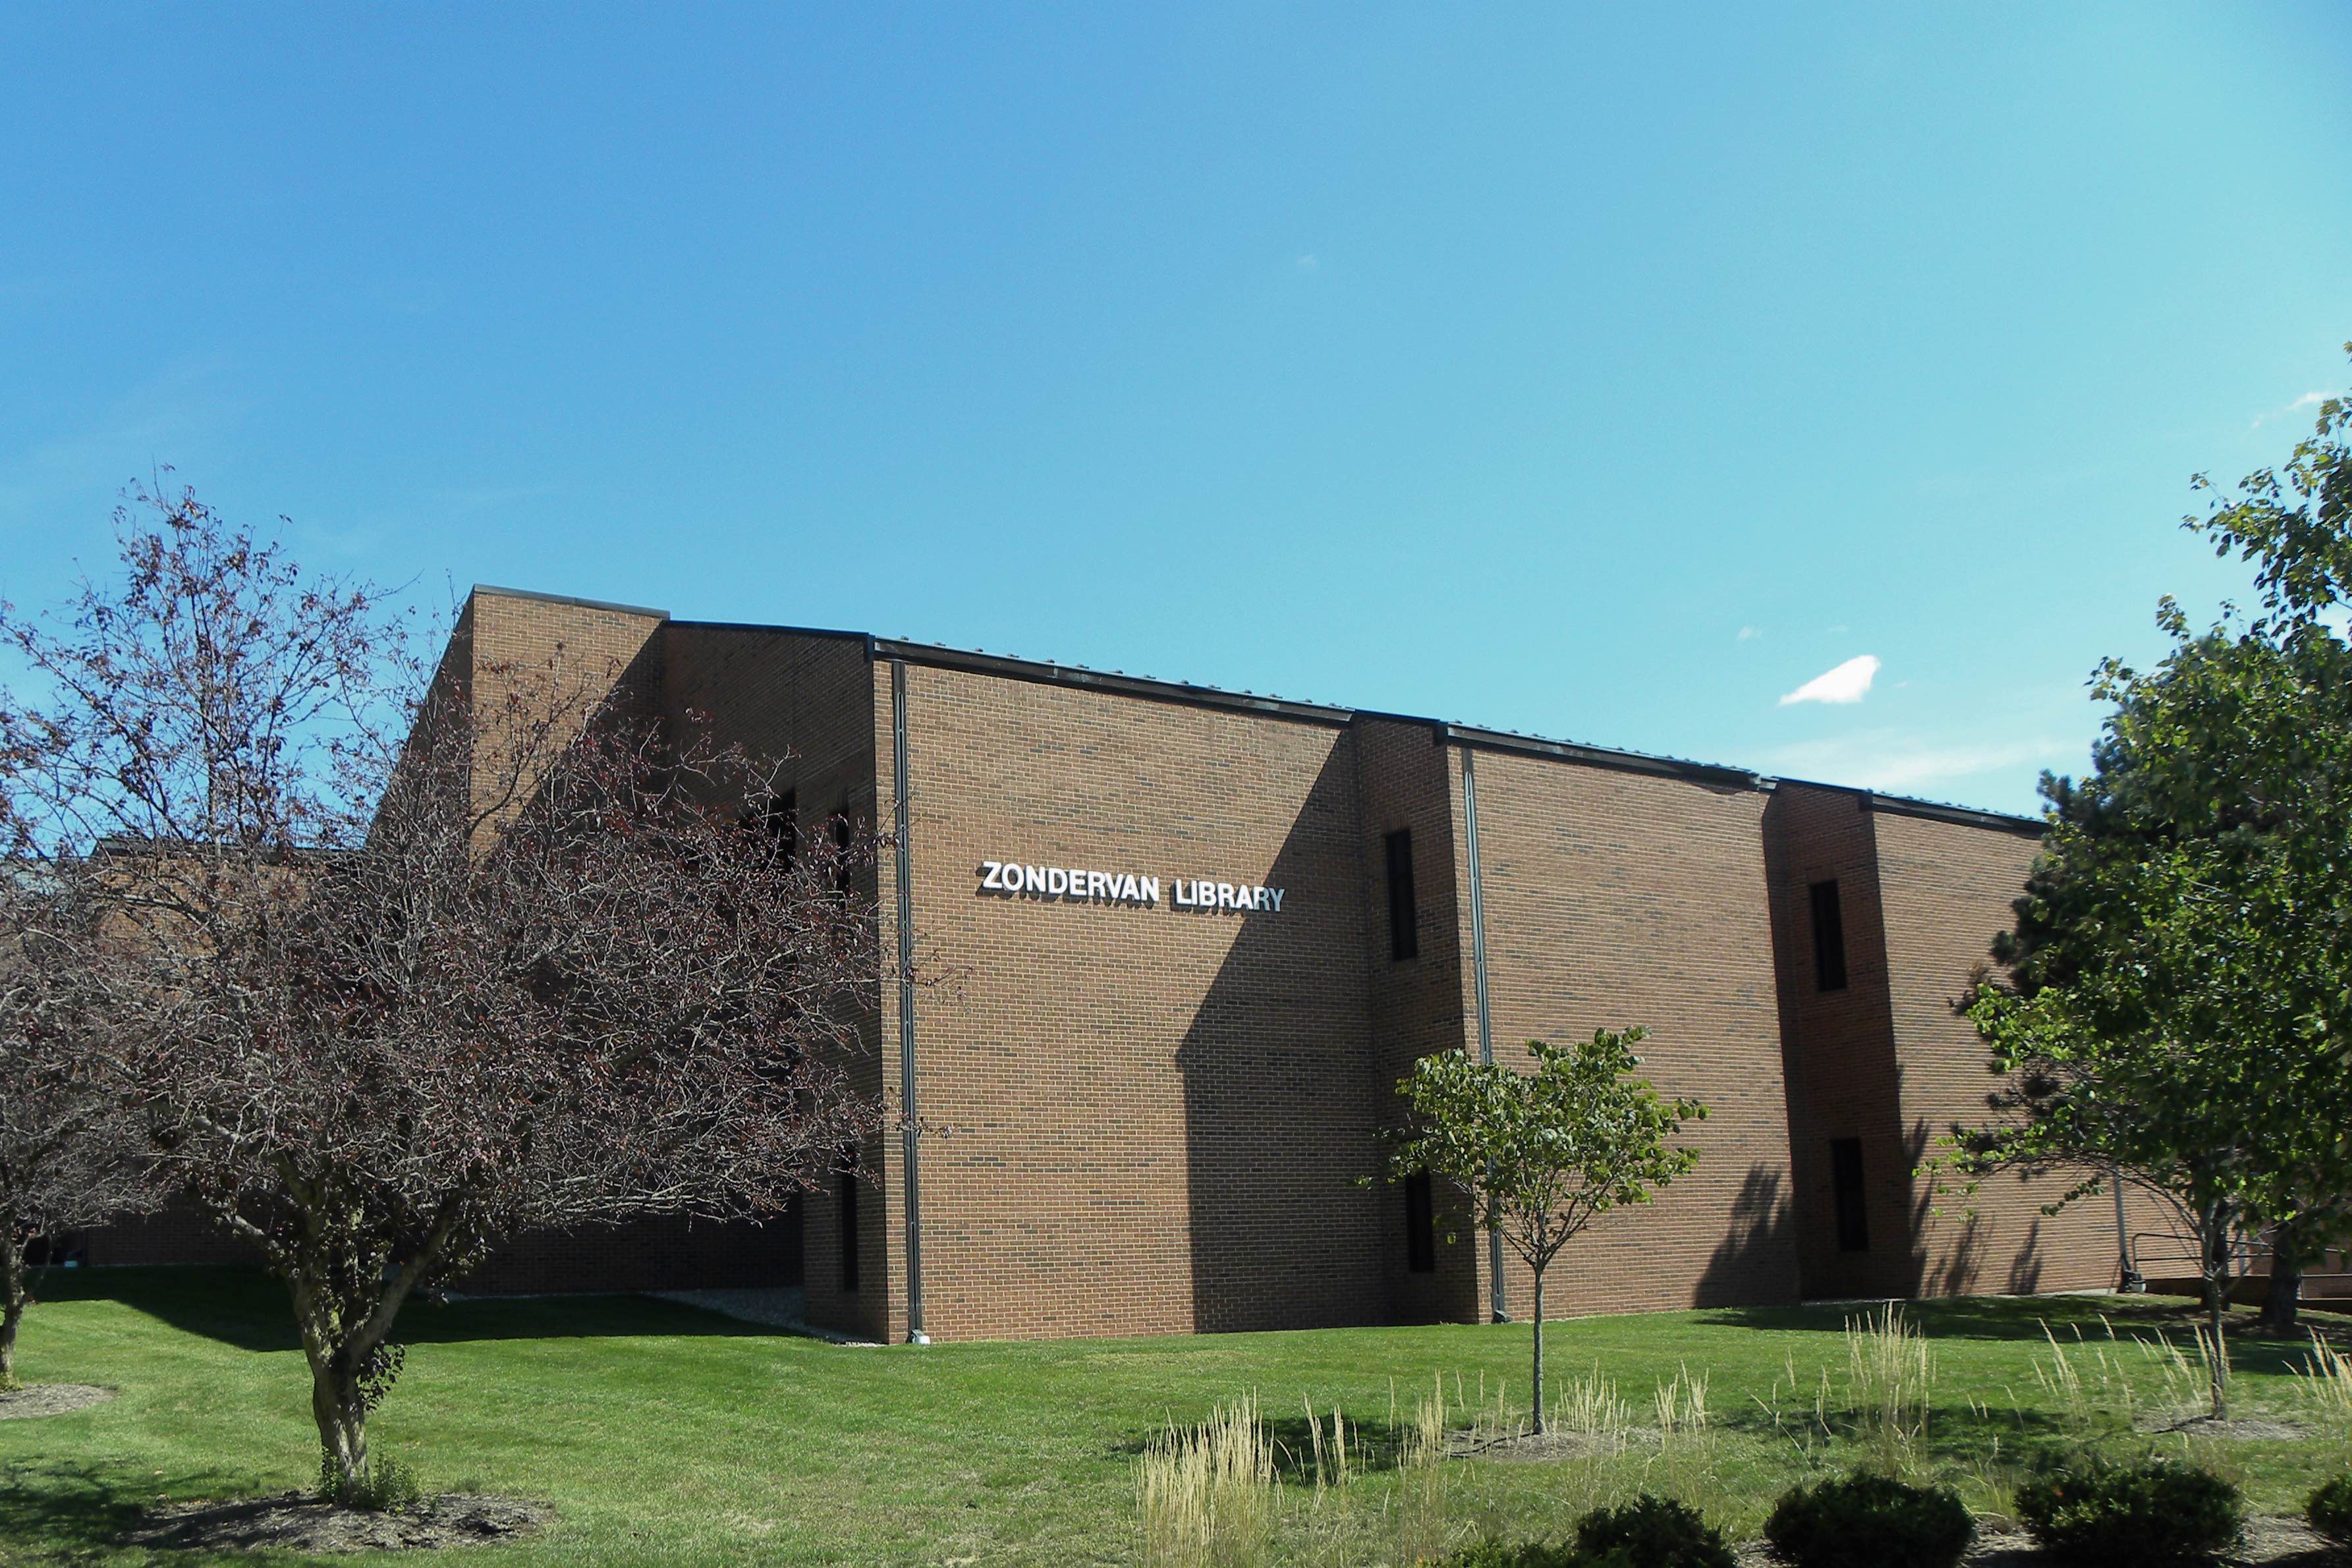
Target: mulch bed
299, 1522
1526, 1447
2243, 1428
50, 1399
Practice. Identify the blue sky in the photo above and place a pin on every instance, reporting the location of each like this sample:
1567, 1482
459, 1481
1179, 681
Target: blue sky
1602, 373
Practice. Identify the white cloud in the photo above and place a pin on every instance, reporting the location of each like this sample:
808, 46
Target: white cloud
1306, 263
2308, 400
1749, 634
1847, 683
1903, 763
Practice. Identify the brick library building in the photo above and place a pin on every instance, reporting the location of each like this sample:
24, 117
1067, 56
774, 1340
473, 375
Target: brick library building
1194, 938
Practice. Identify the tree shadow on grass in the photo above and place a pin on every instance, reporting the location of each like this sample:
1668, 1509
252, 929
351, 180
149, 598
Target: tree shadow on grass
74, 1510
1959, 1437
245, 1307
2084, 1321
2012, 1317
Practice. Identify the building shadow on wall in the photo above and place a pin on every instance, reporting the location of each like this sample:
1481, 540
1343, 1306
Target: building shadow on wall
1959, 1267
1280, 1102
1755, 1261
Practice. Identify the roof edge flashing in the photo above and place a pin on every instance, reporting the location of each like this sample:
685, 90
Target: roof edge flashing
1081, 678
1078, 676
1966, 816
1715, 773
577, 604
1871, 800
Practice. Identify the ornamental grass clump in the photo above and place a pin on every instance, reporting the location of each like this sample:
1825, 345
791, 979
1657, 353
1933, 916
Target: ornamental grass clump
2157, 1514
1207, 1493
1421, 1520
1890, 1383
2324, 1381
1869, 1520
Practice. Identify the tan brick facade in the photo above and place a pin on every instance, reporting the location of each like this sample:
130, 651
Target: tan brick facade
1144, 1117
1888, 1060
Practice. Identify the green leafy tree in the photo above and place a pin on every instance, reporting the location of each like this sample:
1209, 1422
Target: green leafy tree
2178, 1007
1542, 1154
2294, 525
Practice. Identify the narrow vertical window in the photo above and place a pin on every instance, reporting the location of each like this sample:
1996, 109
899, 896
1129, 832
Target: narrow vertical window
1829, 937
784, 816
848, 1206
1404, 918
1853, 1211
844, 834
1420, 1224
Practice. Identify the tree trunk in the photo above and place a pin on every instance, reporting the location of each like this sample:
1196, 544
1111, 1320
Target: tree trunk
337, 1403
1539, 1384
2217, 1308
341, 1411
12, 1300
345, 1340
2280, 1307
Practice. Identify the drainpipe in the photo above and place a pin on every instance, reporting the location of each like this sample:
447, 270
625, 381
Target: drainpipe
2132, 1280
915, 1334
1486, 1019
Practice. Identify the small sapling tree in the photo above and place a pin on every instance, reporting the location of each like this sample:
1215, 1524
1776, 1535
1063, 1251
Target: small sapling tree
1542, 1154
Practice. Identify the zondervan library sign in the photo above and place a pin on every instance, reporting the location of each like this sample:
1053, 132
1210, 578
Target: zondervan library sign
1070, 885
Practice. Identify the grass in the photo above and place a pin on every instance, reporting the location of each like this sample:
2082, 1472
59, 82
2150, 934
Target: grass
665, 1435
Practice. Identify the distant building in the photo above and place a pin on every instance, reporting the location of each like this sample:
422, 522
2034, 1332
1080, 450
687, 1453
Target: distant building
1191, 939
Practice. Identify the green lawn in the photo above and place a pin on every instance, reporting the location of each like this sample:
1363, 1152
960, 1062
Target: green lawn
662, 1434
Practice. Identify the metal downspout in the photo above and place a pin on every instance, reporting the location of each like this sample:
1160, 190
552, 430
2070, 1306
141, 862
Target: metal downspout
2132, 1280
915, 1334
1486, 1019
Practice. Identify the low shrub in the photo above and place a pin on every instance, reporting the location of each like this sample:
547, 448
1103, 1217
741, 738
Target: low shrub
2158, 1513
1866, 1521
385, 1486
2329, 1511
1653, 1533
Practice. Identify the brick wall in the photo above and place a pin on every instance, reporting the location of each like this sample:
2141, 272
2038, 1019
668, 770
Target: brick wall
1417, 1006
1947, 888
646, 1255
1890, 1061
1614, 898
1150, 1117
180, 1233
531, 658
1843, 1081
1146, 1118
808, 702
